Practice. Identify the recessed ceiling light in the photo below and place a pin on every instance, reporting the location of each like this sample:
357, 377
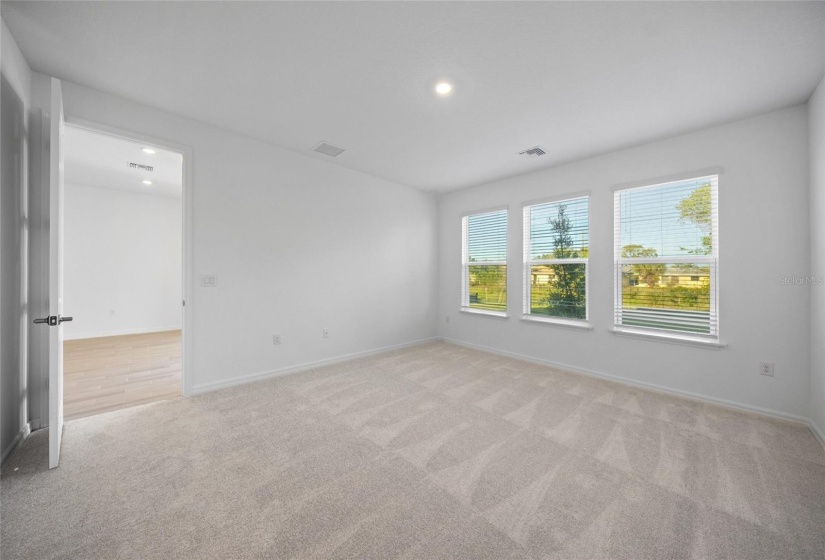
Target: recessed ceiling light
443, 88
147, 182
148, 151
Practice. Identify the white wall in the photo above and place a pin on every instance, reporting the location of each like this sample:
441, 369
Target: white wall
38, 281
122, 253
816, 112
763, 200
297, 244
15, 99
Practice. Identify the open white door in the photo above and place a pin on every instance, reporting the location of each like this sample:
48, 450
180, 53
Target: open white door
56, 125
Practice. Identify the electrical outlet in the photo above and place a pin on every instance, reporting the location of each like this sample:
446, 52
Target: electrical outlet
325, 333
209, 280
766, 368
111, 313
276, 339
447, 318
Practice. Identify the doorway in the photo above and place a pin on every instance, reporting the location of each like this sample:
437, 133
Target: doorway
123, 257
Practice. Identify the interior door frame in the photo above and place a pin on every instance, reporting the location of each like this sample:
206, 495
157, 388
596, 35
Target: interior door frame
187, 276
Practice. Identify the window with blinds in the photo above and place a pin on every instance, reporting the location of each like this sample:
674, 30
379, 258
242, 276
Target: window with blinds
484, 262
666, 257
556, 249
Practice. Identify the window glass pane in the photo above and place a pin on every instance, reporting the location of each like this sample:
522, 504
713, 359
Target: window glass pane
487, 237
667, 220
488, 287
558, 230
558, 290
666, 296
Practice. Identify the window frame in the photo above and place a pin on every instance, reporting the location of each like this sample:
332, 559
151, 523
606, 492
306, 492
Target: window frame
466, 263
527, 263
711, 339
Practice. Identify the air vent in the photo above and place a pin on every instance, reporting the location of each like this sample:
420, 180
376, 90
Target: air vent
328, 149
533, 152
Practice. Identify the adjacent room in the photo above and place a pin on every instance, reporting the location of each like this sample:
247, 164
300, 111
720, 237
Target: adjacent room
412, 280
122, 273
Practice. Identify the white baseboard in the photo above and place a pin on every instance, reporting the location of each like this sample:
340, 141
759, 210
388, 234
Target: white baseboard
243, 379
817, 432
634, 383
68, 335
18, 439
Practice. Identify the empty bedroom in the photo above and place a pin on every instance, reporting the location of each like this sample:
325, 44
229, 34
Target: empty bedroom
412, 280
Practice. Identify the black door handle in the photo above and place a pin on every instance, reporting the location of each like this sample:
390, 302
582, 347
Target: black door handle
52, 320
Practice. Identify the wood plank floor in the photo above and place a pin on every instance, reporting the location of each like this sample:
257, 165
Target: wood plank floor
114, 372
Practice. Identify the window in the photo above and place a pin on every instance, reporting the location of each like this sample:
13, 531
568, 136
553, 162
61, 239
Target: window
484, 259
556, 247
666, 257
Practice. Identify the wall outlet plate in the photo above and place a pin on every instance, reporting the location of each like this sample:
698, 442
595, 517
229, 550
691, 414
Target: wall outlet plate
766, 368
276, 339
209, 280
325, 333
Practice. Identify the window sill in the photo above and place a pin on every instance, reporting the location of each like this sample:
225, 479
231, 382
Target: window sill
568, 324
685, 340
484, 312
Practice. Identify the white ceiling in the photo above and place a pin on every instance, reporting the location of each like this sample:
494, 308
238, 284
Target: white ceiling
100, 160
577, 78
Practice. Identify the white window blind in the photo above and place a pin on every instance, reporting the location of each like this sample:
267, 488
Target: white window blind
484, 262
556, 249
667, 256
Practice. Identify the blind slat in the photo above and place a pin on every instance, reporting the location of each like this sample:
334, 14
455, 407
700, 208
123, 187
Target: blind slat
542, 235
484, 258
487, 237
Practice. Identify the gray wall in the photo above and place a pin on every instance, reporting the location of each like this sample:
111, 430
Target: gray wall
816, 128
15, 92
38, 285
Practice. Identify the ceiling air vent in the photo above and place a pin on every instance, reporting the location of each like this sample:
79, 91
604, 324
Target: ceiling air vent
328, 149
533, 152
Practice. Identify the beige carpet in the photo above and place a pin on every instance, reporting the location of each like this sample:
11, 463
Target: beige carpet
426, 453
